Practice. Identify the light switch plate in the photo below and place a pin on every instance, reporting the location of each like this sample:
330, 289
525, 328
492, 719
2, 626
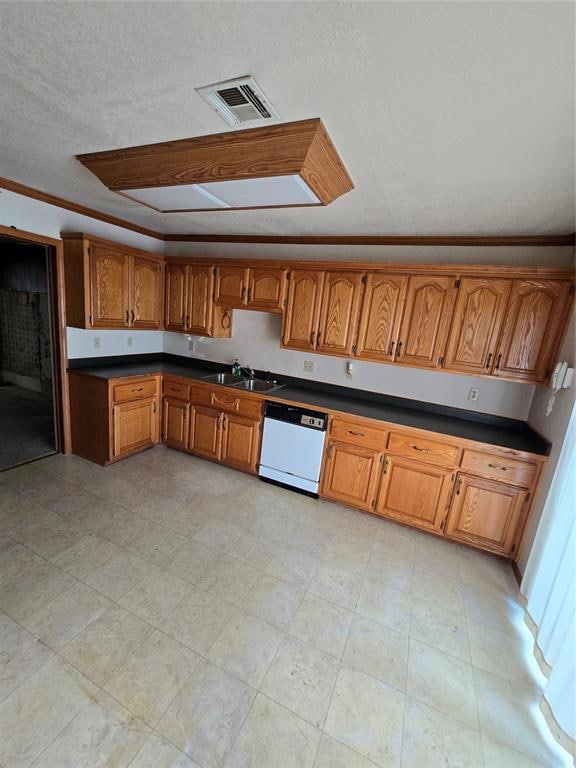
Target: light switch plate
96, 342
308, 366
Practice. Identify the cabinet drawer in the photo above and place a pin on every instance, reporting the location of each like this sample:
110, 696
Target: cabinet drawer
357, 433
134, 390
175, 388
226, 399
429, 451
497, 468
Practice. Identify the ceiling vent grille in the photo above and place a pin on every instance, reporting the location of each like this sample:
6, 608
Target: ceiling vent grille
239, 101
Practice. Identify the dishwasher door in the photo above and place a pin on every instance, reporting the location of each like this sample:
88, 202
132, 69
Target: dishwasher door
292, 454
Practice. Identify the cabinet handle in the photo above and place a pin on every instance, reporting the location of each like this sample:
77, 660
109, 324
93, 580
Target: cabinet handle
458, 484
153, 406
399, 349
133, 317
215, 400
391, 349
127, 317
187, 321
250, 293
423, 450
495, 466
356, 434
243, 292
312, 337
499, 361
318, 338
488, 360
138, 389
385, 466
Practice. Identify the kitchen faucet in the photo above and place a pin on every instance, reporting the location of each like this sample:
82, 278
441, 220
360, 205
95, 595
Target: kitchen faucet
239, 370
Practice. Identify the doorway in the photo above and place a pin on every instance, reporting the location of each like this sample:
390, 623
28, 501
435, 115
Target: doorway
29, 412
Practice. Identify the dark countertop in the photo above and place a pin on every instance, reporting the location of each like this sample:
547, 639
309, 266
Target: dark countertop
507, 433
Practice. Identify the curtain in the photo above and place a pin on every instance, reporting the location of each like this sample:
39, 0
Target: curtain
549, 586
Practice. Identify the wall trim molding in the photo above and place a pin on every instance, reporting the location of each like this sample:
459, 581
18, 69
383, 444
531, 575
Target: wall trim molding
407, 240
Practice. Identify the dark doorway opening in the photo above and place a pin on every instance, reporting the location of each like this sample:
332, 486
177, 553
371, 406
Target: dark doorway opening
28, 413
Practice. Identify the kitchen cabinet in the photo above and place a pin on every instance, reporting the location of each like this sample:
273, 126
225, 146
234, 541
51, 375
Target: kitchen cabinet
176, 303
413, 492
175, 422
302, 313
206, 432
486, 513
266, 289
338, 312
231, 286
380, 316
240, 442
532, 329
199, 309
476, 324
426, 318
111, 286
351, 474
190, 304
134, 426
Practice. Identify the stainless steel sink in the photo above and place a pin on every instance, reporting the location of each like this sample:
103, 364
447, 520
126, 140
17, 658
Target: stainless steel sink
258, 385
224, 378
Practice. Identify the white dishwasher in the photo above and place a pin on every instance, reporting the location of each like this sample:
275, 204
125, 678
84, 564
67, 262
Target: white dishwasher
292, 447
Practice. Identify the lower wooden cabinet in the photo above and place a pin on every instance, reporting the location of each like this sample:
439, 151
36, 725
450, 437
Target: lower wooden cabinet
135, 426
414, 493
206, 432
175, 422
351, 474
240, 442
486, 513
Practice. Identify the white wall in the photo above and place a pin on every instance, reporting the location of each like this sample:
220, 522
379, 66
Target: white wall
103, 343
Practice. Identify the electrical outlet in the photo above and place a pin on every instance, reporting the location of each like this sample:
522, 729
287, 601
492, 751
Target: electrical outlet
349, 370
96, 342
473, 393
190, 345
308, 366
129, 341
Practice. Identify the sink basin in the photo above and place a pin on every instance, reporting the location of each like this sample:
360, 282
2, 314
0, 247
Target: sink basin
258, 385
224, 378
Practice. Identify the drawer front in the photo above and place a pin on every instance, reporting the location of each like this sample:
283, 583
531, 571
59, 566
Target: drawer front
497, 468
422, 449
174, 388
134, 390
226, 399
359, 433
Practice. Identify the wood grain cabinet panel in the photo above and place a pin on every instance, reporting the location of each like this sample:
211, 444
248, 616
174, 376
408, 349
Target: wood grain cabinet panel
414, 493
175, 422
231, 286
109, 287
146, 291
421, 448
351, 474
486, 513
533, 327
303, 309
426, 321
380, 316
176, 303
240, 442
476, 325
199, 311
135, 426
206, 432
350, 430
266, 289
339, 312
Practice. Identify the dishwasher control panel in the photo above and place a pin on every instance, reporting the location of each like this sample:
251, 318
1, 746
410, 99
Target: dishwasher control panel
312, 421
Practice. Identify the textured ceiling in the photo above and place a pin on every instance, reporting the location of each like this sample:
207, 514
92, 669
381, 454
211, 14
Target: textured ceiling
451, 117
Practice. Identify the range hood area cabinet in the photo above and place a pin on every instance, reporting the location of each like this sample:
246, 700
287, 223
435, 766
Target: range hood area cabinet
189, 302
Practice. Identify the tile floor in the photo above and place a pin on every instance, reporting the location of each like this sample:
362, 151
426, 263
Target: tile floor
169, 613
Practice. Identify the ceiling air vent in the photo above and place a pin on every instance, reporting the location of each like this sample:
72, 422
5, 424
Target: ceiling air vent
239, 101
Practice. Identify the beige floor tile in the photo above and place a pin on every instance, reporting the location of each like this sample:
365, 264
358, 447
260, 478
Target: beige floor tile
440, 628
511, 658
310, 539
87, 554
486, 571
50, 539
395, 541
493, 607
386, 605
254, 549
153, 598
438, 589
394, 573
336, 585
322, 624
246, 647
184, 520
302, 679
157, 544
219, 534
103, 733
269, 522
432, 739
152, 676
118, 574
21, 654
272, 736
294, 566
35, 713
156, 752
70, 502
26, 595
442, 682
157, 508
61, 619
230, 579
347, 554
122, 526
504, 757
378, 651
15, 561
192, 561
198, 619
333, 754
206, 716
367, 716
274, 601
442, 563
102, 648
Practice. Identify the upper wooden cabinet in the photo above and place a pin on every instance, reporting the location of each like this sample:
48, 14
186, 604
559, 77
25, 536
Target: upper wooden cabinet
189, 301
532, 329
199, 309
380, 316
231, 286
266, 289
476, 324
426, 320
110, 285
176, 303
303, 309
338, 312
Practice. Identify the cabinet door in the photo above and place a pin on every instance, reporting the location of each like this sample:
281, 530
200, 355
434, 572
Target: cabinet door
339, 312
486, 513
135, 426
240, 441
426, 321
231, 286
413, 493
206, 432
476, 324
200, 286
266, 288
109, 287
533, 326
176, 304
351, 474
146, 293
380, 316
303, 309
176, 423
